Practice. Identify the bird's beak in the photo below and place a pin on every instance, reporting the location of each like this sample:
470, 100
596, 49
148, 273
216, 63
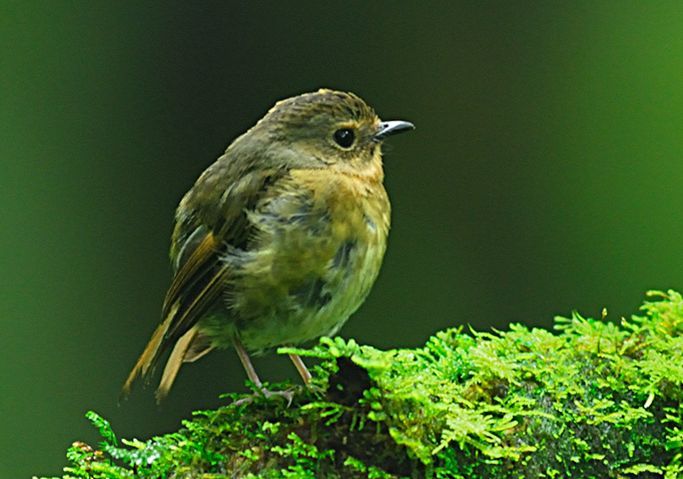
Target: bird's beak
388, 128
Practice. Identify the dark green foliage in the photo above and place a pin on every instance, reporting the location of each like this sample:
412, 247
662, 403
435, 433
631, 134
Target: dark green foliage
595, 400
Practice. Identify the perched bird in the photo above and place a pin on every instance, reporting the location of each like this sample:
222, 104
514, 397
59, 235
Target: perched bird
280, 240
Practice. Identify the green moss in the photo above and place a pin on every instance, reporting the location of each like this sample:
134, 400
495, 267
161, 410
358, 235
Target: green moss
595, 399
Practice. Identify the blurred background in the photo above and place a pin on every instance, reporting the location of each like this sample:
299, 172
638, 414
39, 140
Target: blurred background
544, 176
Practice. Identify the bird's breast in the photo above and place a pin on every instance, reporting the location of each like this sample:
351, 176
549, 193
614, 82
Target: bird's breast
318, 249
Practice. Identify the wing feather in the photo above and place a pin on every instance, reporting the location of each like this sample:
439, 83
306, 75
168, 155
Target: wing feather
213, 221
178, 318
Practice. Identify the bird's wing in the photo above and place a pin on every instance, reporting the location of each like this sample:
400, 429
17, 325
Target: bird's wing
210, 220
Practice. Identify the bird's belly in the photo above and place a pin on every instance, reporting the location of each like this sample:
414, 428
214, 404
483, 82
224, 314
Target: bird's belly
302, 283
315, 305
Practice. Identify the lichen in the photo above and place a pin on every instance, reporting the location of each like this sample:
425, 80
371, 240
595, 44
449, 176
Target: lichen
593, 399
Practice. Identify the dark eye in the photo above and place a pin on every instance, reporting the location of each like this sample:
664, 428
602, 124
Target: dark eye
344, 137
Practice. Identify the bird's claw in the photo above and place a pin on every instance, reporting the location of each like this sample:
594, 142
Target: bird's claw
288, 394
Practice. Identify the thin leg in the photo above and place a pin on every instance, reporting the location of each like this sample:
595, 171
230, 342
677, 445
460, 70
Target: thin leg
246, 362
251, 373
301, 367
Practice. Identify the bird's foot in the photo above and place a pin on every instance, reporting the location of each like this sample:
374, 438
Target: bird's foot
287, 394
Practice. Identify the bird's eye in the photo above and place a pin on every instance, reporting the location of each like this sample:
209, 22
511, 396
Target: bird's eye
344, 137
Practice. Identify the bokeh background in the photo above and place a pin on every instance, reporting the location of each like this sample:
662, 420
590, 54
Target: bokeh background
544, 176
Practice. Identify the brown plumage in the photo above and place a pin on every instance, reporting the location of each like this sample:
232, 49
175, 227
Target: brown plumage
279, 241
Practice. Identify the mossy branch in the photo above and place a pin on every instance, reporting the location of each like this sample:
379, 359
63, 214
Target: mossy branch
593, 400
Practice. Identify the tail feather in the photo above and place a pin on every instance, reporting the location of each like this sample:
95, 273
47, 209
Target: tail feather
196, 287
149, 356
175, 360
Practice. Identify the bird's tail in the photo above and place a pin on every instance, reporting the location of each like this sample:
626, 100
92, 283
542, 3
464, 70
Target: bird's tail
190, 347
148, 358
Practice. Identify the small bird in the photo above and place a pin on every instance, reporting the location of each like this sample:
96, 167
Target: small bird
280, 240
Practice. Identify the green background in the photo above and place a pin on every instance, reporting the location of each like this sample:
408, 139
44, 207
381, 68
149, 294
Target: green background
545, 175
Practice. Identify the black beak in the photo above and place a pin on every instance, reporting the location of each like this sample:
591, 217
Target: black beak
388, 128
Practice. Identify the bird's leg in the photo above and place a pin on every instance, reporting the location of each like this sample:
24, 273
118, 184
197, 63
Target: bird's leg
301, 367
253, 377
246, 363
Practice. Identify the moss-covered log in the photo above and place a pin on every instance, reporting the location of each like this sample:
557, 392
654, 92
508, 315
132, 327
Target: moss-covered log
595, 399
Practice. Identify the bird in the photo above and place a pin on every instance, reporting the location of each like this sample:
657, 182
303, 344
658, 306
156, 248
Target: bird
280, 240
